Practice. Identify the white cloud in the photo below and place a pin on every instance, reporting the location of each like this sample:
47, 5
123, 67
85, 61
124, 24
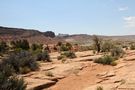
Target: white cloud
129, 21
123, 8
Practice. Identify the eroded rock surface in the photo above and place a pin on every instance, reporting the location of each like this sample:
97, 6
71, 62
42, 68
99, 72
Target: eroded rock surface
82, 74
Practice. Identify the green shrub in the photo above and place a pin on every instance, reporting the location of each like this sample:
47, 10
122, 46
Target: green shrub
63, 47
37, 51
69, 54
23, 44
132, 47
106, 60
8, 80
107, 46
21, 60
86, 48
12, 83
117, 52
43, 56
69, 46
24, 70
17, 50
36, 46
5, 71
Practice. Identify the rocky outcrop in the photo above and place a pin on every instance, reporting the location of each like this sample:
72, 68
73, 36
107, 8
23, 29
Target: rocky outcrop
50, 74
120, 77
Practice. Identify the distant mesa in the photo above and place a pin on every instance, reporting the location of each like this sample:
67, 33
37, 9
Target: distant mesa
8, 34
49, 37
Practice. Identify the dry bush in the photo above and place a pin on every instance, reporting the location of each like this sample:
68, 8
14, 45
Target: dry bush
97, 43
132, 46
66, 54
21, 60
105, 60
9, 80
43, 56
117, 52
69, 54
107, 46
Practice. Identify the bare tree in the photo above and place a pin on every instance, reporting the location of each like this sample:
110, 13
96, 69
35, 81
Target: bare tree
97, 43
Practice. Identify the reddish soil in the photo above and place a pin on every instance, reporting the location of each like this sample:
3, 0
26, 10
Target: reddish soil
85, 78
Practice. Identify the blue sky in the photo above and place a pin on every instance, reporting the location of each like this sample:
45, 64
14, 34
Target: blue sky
104, 17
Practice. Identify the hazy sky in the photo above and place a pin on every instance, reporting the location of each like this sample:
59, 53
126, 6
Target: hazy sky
104, 17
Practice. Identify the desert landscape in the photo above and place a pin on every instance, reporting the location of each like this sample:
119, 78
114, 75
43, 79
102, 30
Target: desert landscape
82, 74
103, 63
67, 44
